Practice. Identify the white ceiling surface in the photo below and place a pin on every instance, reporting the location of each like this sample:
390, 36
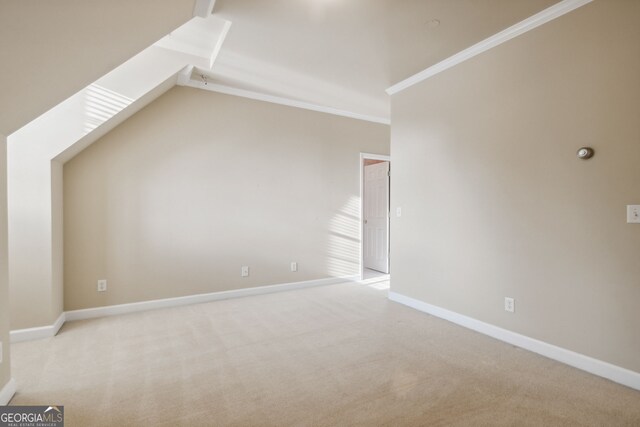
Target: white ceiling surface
338, 54
343, 54
52, 49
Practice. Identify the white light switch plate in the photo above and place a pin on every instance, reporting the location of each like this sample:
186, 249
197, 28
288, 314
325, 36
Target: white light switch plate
294, 266
398, 211
633, 214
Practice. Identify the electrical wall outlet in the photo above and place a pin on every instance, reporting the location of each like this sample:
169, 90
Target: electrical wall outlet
509, 305
102, 285
245, 271
633, 214
294, 266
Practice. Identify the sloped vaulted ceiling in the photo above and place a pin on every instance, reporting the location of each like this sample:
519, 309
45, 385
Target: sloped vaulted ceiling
52, 49
336, 53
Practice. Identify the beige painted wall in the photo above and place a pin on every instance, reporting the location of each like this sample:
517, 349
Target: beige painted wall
495, 202
35, 155
5, 373
32, 279
175, 200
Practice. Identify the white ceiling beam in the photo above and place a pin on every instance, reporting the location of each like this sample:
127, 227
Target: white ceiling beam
203, 8
228, 90
185, 75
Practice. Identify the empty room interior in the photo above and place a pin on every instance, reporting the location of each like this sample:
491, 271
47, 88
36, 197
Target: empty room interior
320, 212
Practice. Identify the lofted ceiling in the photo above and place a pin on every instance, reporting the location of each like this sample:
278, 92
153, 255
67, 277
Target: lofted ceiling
338, 54
345, 53
52, 49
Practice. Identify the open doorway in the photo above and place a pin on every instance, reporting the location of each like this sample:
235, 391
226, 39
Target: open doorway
374, 214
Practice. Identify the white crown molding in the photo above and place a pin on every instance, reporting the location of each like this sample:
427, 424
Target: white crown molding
520, 28
243, 93
37, 333
7, 392
113, 310
594, 366
91, 313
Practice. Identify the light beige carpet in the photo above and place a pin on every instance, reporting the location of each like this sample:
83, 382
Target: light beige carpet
327, 356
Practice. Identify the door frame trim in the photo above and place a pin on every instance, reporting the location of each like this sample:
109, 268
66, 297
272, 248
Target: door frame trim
363, 157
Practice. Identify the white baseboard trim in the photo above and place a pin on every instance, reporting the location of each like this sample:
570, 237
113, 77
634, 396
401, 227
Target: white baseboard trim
37, 333
594, 366
7, 392
113, 310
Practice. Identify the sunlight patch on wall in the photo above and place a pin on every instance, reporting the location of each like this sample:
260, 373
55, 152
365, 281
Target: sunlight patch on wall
343, 246
101, 104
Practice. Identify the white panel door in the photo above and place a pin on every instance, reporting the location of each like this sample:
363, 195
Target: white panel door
376, 217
